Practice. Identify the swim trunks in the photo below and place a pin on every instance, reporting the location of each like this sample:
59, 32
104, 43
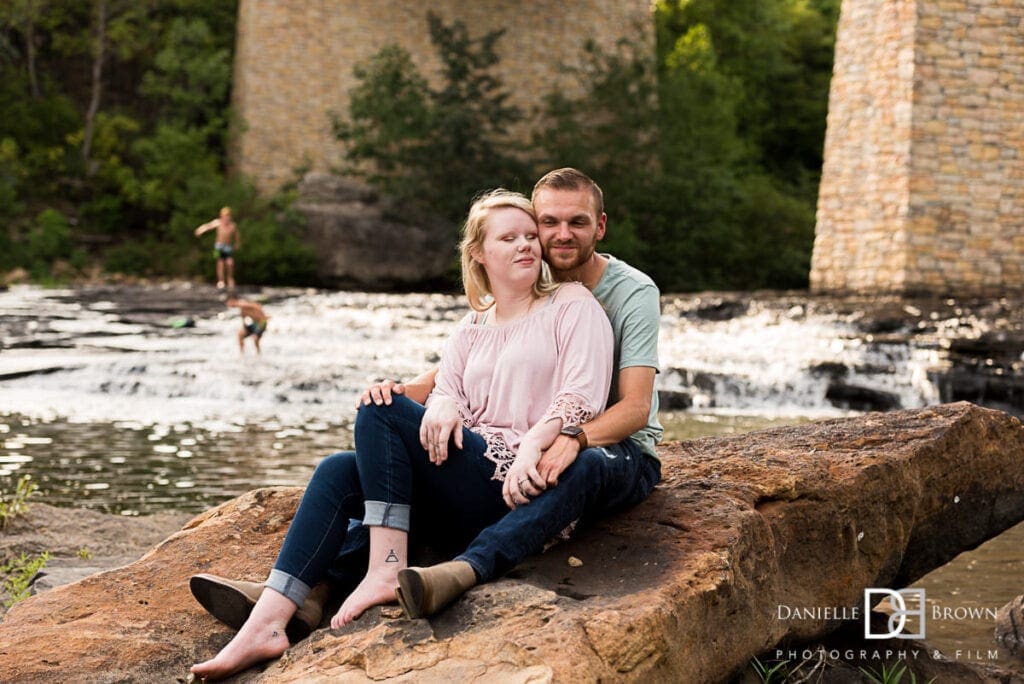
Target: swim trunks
223, 251
256, 328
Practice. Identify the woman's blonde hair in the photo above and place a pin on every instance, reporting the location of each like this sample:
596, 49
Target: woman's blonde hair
474, 278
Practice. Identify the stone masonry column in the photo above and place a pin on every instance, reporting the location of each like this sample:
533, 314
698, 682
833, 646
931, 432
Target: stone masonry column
922, 188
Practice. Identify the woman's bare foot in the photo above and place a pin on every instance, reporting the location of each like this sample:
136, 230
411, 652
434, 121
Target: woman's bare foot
262, 637
245, 650
377, 588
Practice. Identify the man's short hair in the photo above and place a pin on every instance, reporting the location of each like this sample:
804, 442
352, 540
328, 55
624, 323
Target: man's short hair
568, 178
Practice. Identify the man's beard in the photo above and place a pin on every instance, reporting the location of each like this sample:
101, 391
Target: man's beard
582, 256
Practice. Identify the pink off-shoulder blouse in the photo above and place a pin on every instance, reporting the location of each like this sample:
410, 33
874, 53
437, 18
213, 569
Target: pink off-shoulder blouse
552, 364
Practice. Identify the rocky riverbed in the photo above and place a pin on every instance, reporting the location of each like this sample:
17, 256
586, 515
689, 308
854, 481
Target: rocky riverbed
861, 353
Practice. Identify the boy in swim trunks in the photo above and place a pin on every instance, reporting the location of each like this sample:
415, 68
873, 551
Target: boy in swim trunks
228, 240
256, 325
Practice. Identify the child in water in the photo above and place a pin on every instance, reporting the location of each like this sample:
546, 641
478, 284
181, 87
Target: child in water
256, 326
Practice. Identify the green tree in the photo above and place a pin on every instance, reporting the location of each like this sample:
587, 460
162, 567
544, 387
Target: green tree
114, 119
399, 130
778, 53
704, 185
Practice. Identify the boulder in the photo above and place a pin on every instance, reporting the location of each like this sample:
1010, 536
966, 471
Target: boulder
1010, 627
844, 395
684, 587
364, 240
80, 542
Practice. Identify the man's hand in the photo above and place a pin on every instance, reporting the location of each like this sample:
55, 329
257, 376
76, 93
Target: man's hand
523, 481
380, 393
559, 456
440, 422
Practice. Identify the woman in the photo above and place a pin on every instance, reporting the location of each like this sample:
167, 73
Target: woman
531, 358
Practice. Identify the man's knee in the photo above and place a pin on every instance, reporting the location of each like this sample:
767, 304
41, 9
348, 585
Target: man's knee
615, 466
590, 465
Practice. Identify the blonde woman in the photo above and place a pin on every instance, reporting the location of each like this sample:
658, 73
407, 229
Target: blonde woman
531, 358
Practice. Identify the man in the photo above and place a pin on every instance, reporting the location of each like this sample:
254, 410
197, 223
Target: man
227, 241
602, 466
571, 219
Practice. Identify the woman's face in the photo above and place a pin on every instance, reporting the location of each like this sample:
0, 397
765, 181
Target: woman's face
510, 252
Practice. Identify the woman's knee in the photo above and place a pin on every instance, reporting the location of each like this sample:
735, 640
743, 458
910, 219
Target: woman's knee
401, 410
372, 412
337, 467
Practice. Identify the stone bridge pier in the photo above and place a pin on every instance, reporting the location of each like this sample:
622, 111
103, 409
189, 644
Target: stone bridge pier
922, 189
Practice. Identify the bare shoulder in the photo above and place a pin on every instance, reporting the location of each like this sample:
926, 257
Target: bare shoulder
574, 291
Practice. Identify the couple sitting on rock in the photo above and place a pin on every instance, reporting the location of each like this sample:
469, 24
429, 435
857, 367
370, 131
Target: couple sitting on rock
498, 450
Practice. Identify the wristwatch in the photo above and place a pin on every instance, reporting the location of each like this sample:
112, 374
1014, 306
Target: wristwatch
577, 433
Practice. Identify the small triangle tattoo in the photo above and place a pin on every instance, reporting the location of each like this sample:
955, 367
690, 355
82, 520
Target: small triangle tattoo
392, 557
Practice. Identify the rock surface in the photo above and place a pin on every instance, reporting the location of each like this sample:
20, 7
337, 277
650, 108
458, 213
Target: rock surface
682, 588
81, 542
1010, 627
361, 239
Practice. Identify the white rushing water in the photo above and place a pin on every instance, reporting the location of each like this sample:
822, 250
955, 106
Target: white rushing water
323, 348
768, 361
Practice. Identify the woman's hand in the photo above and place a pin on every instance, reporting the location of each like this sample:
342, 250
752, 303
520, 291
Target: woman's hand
441, 422
523, 480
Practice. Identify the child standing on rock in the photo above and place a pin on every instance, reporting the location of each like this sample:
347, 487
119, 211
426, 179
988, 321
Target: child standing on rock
228, 240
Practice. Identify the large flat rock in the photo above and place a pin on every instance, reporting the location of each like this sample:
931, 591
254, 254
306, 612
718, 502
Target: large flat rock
682, 588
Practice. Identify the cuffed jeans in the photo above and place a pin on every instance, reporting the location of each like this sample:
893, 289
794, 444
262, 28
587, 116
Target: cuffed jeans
454, 504
387, 476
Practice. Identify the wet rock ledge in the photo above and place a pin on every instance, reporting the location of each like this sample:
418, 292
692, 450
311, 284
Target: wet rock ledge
682, 588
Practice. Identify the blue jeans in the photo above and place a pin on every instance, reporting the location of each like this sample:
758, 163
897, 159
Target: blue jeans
380, 483
602, 480
455, 503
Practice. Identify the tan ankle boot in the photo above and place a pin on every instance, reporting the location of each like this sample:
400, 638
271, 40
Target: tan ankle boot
231, 601
310, 613
424, 591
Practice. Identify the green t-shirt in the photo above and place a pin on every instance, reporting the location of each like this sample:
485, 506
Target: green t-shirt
633, 304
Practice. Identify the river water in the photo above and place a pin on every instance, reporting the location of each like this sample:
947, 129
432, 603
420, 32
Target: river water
136, 400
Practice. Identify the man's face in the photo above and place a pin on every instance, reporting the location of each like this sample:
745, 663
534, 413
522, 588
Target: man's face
569, 226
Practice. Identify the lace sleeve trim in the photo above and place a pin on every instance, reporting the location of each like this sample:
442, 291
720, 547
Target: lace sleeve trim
571, 408
497, 452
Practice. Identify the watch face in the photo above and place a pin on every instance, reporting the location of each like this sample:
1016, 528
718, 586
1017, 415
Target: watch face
572, 430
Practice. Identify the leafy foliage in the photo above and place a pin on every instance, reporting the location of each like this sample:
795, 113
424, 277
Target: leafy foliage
15, 504
114, 119
708, 152
699, 192
120, 169
18, 574
400, 131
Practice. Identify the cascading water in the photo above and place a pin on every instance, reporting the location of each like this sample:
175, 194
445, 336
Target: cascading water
772, 359
118, 359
